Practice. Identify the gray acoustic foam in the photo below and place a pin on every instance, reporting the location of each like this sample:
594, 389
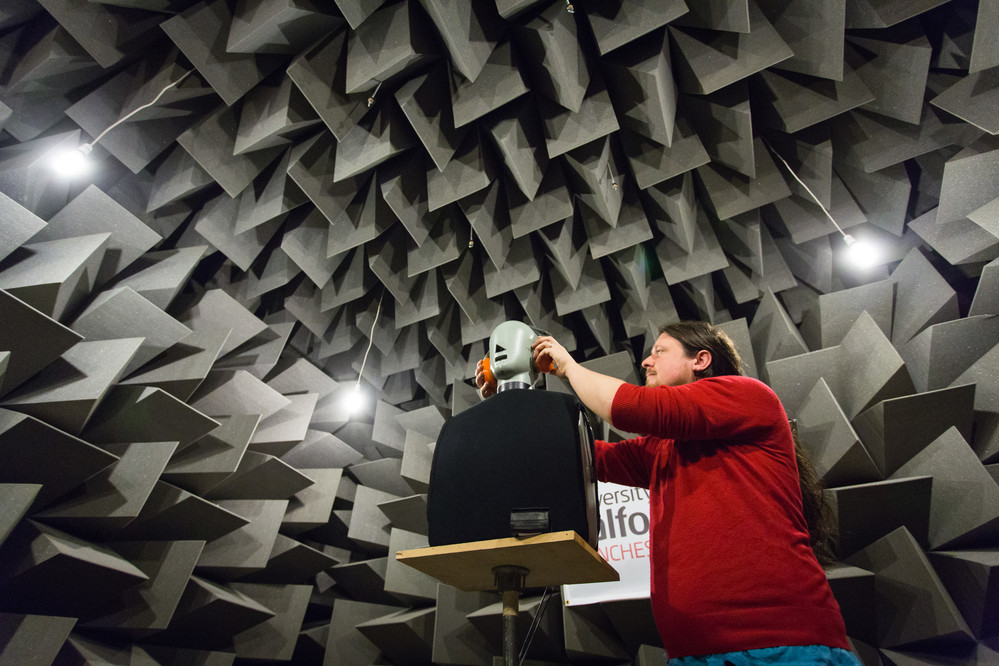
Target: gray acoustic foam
23, 636
853, 588
46, 558
31, 339
260, 476
111, 499
345, 642
966, 339
54, 276
273, 115
137, 143
548, 643
905, 579
149, 606
123, 311
406, 637
455, 639
424, 101
839, 456
643, 72
961, 100
499, 82
860, 520
963, 573
27, 441
897, 429
589, 632
724, 123
274, 638
956, 471
107, 34
393, 40
199, 31
618, 23
278, 26
555, 58
67, 392
792, 102
19, 225
730, 193
710, 61
313, 70
177, 176
181, 325
864, 345
247, 549
402, 580
213, 142
827, 323
469, 31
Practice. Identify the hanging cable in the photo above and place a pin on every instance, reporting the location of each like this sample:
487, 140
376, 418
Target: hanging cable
70, 163
535, 623
861, 253
353, 400
141, 108
371, 339
807, 189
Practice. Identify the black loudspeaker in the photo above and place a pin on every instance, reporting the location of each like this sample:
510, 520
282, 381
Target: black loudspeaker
519, 463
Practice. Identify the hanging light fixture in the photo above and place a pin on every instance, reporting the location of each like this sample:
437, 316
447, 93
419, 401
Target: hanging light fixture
861, 253
354, 400
73, 162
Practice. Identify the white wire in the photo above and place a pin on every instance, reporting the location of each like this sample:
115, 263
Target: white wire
371, 339
807, 189
144, 106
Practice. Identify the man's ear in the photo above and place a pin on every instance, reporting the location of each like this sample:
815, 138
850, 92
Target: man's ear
702, 360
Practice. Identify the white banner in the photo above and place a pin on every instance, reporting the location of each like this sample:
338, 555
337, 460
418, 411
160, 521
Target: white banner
624, 542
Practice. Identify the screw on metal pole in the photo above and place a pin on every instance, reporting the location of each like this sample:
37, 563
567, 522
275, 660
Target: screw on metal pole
510, 583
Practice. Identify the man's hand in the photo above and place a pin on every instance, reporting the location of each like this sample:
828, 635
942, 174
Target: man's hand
486, 389
547, 348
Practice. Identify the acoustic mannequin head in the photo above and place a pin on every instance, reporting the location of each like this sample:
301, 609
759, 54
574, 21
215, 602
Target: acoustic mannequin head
510, 354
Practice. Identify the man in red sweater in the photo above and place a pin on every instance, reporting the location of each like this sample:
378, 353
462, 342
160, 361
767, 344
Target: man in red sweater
734, 580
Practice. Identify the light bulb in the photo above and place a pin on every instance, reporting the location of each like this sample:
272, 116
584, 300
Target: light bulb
354, 400
72, 163
862, 253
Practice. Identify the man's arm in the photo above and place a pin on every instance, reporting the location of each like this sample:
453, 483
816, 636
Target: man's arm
593, 389
712, 408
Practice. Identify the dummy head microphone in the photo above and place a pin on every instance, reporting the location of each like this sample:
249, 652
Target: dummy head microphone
510, 363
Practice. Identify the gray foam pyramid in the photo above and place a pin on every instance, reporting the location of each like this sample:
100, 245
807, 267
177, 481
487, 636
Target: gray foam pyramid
371, 184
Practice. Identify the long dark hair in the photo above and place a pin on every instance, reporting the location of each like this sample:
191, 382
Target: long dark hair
697, 335
725, 360
822, 530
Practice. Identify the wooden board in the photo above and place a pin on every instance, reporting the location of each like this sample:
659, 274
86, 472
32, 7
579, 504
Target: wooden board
558, 558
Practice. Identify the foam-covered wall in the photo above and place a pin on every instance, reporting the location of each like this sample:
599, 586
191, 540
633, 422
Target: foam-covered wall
298, 188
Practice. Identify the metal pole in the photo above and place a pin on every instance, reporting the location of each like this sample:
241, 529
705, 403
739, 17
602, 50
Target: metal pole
510, 610
510, 583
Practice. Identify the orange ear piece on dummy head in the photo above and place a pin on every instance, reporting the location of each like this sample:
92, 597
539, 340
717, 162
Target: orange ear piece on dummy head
487, 372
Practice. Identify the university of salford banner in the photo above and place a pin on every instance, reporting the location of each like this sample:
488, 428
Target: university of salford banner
624, 542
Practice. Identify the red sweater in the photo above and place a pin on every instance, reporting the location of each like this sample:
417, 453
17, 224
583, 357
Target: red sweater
732, 568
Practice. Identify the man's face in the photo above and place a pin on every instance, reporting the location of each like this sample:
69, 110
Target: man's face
667, 364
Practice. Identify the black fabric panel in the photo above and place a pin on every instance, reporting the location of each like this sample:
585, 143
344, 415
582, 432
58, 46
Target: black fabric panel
519, 449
